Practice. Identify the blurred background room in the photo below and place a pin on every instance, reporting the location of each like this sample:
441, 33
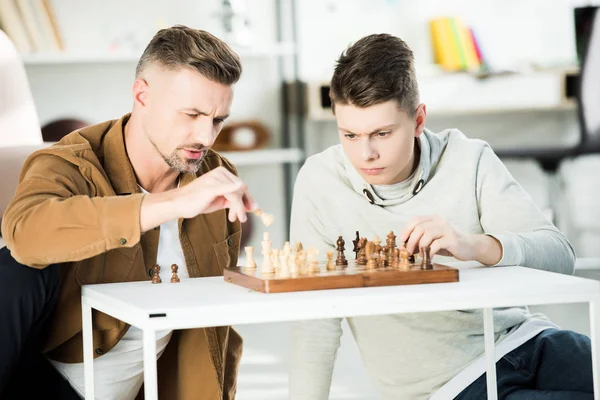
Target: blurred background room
524, 75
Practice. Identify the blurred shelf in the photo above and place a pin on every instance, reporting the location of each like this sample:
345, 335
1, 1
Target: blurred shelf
65, 58
263, 157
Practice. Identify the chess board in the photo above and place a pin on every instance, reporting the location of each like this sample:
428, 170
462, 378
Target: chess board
353, 276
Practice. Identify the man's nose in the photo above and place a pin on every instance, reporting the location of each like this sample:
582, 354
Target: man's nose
204, 133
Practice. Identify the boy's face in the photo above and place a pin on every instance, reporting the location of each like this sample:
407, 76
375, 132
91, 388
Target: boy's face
183, 112
379, 140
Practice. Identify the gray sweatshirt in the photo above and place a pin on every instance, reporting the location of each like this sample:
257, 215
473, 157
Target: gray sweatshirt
410, 356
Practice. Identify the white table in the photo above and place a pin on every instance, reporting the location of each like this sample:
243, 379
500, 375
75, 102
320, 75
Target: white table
206, 302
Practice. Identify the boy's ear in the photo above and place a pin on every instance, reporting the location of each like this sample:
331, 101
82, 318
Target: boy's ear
420, 117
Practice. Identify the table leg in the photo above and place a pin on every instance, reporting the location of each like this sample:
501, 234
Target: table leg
150, 377
490, 354
595, 339
88, 349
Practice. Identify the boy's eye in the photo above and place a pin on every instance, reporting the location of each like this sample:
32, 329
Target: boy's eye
350, 136
218, 121
191, 115
383, 134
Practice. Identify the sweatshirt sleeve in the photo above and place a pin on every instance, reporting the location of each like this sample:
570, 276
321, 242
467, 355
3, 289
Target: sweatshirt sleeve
315, 342
508, 214
53, 219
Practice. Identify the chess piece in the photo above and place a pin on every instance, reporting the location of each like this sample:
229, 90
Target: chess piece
313, 264
267, 219
381, 258
299, 247
371, 255
284, 266
250, 263
395, 258
330, 264
389, 248
411, 257
362, 253
156, 274
301, 261
356, 246
377, 243
426, 262
174, 277
341, 259
404, 263
275, 259
287, 248
267, 265
294, 264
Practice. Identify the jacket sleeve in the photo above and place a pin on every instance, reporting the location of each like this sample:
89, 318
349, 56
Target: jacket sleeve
314, 343
509, 214
55, 217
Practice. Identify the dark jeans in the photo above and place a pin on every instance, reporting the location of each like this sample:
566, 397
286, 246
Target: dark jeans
554, 365
27, 298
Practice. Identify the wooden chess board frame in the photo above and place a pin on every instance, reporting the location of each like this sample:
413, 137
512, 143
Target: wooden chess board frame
353, 276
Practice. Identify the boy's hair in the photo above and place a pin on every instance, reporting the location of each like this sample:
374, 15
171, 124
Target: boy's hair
179, 46
375, 69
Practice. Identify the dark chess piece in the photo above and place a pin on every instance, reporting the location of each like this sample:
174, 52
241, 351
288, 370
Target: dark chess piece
426, 263
362, 252
356, 246
411, 257
174, 277
390, 245
341, 259
156, 274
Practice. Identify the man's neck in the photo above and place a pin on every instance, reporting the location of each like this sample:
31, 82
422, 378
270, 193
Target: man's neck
151, 171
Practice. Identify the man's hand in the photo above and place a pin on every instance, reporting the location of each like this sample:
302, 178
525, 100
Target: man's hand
215, 190
441, 238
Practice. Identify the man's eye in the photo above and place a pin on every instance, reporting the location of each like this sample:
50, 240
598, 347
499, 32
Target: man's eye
191, 115
350, 136
383, 134
218, 121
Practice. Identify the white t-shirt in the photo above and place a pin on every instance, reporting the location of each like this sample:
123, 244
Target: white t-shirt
119, 373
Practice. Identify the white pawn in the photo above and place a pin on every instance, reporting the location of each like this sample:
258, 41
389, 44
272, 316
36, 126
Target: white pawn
287, 248
313, 264
250, 263
330, 263
275, 259
294, 264
284, 267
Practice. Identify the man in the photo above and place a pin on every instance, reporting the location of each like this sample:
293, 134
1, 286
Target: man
108, 203
441, 191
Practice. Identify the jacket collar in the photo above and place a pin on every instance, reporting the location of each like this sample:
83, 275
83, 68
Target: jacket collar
116, 161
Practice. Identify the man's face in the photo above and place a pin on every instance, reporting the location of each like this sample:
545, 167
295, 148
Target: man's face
182, 114
379, 140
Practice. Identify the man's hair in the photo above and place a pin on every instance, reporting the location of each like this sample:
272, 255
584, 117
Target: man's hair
182, 47
375, 69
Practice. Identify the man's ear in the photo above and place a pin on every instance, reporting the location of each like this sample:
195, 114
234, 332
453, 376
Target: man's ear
140, 92
420, 117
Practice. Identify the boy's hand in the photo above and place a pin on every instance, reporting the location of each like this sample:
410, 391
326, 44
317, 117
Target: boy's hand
441, 238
